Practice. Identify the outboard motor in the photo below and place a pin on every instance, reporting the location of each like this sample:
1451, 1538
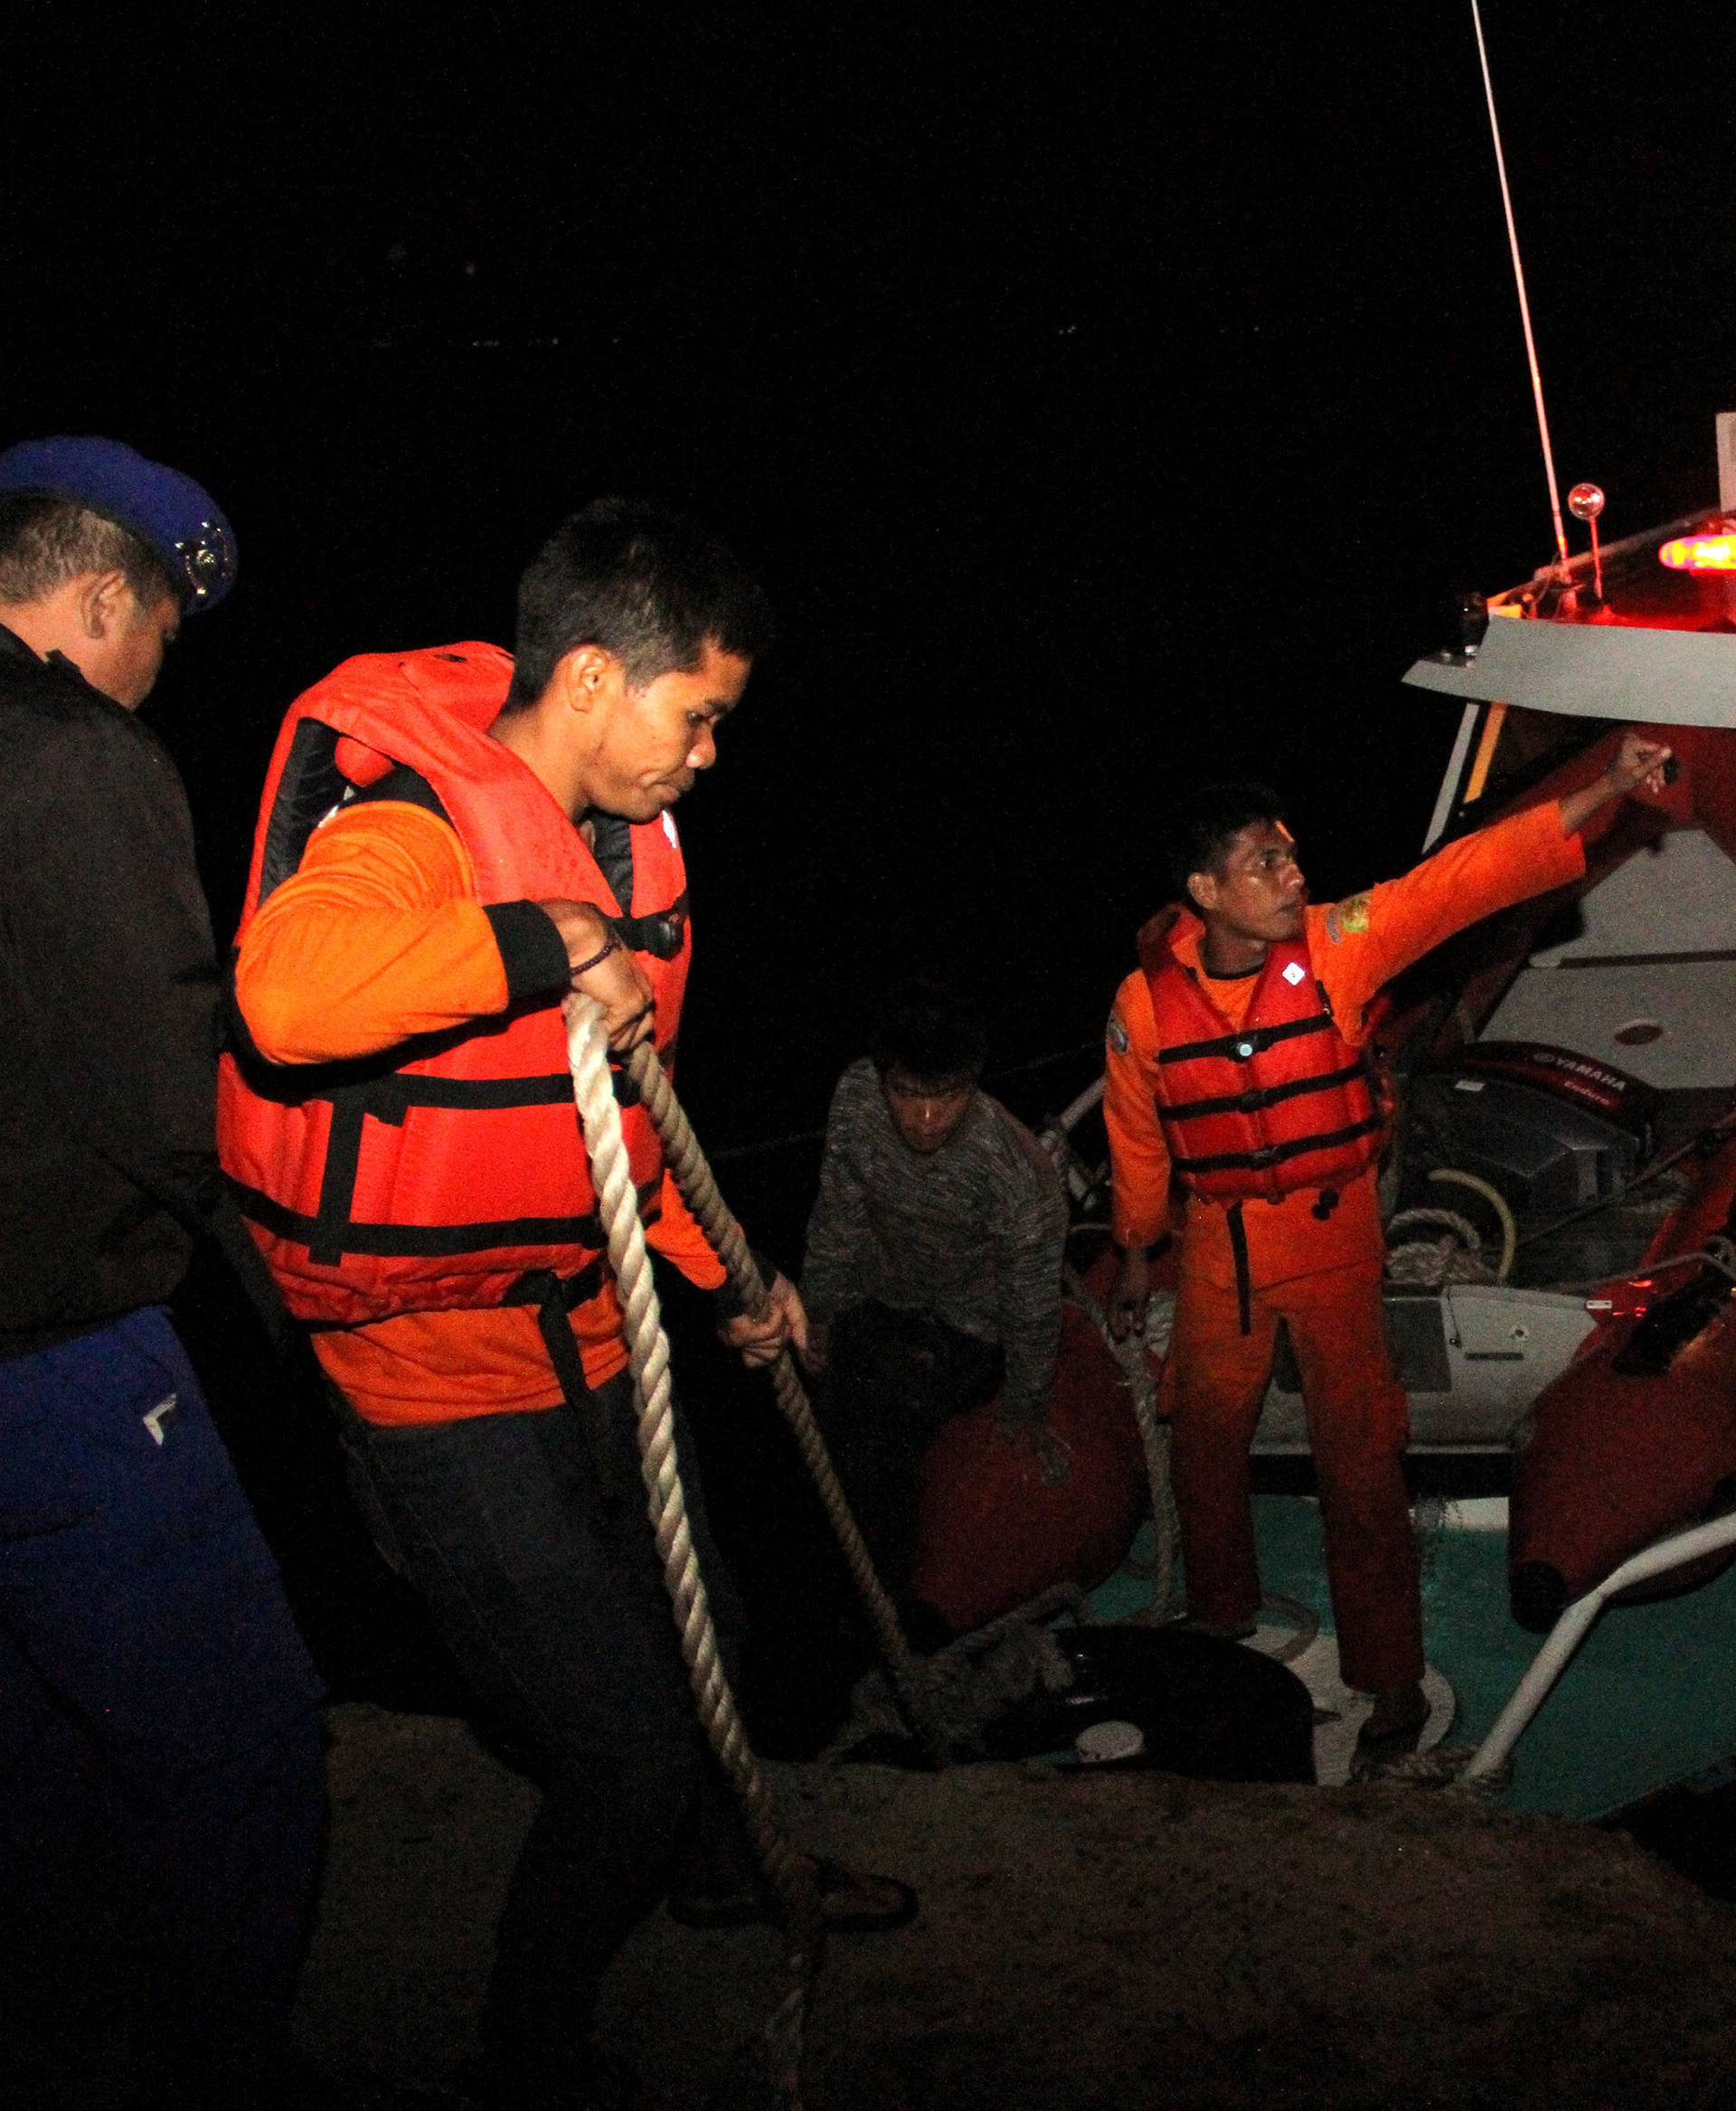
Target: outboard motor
1553, 1131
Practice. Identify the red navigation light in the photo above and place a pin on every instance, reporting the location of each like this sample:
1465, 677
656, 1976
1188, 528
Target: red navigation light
1700, 554
1628, 1300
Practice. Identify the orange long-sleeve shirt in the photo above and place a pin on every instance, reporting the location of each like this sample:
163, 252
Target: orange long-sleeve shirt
378, 936
1356, 947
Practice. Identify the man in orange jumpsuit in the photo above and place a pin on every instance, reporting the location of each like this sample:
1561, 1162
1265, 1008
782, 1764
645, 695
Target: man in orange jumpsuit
1249, 1093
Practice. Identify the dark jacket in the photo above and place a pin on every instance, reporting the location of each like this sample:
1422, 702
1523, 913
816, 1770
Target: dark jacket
107, 1011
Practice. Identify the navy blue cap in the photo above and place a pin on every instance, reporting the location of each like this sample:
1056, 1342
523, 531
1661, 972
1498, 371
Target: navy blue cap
175, 518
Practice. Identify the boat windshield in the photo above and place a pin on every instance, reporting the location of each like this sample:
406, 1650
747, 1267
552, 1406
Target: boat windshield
1509, 750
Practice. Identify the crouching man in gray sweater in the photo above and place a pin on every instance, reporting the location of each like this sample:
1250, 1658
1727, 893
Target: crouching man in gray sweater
932, 1275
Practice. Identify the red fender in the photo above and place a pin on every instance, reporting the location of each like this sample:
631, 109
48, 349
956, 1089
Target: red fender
1615, 1458
990, 1534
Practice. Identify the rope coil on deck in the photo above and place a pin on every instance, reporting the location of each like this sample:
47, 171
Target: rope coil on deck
1454, 1256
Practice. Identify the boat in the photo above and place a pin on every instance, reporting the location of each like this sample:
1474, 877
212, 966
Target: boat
1560, 1191
1563, 1078
1633, 981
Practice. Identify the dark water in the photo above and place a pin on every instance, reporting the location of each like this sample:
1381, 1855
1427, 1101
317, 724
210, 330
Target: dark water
1102, 409
1106, 408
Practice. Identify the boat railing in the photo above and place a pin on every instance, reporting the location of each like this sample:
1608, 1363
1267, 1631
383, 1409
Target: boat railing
1675, 1550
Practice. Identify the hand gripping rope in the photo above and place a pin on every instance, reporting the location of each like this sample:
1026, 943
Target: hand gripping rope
788, 1876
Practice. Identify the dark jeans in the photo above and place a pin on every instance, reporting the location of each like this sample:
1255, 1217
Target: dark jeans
553, 1608
895, 1380
160, 1770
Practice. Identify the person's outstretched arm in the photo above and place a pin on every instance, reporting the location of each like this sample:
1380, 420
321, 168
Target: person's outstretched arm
1362, 943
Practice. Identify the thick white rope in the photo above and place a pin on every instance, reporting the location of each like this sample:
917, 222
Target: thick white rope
791, 1877
911, 1677
1487, 1191
1455, 1256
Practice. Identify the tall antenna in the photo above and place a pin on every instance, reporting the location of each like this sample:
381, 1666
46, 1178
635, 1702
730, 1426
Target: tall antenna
1519, 280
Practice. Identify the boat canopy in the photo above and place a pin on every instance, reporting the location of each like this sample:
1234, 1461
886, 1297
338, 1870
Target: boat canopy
1613, 671
1660, 648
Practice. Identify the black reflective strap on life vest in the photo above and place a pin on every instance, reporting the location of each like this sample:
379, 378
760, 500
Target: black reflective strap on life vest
390, 1099
310, 785
1245, 1283
1270, 1154
401, 787
337, 1178
1239, 1047
1258, 1097
333, 1231
554, 1297
412, 1242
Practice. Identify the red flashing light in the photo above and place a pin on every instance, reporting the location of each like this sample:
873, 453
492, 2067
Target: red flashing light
1700, 554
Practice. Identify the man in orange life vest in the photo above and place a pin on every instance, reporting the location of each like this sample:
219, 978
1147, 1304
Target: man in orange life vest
1234, 1067
401, 1136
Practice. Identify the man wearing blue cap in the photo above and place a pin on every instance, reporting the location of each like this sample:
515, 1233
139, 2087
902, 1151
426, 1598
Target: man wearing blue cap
159, 1756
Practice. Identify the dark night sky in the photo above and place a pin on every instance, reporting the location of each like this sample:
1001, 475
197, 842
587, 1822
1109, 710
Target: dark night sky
1107, 398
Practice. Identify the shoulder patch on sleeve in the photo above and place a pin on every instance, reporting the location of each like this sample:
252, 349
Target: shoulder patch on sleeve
1116, 1033
1347, 918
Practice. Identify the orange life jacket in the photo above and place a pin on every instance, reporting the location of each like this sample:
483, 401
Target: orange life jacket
1281, 1104
450, 1172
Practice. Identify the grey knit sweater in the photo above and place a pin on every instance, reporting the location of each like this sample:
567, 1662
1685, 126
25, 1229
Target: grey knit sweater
973, 1234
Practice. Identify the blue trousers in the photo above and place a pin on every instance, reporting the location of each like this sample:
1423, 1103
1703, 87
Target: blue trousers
160, 1771
552, 1605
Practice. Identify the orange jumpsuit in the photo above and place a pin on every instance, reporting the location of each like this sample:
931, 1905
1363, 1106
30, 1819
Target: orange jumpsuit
1320, 1276
377, 935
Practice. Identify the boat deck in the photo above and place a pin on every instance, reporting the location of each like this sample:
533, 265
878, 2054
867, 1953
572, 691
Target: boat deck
1646, 1703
